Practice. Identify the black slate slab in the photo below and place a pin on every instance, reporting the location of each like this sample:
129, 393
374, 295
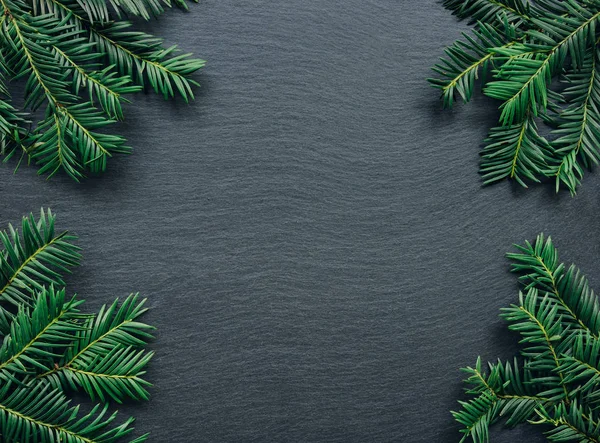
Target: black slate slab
312, 232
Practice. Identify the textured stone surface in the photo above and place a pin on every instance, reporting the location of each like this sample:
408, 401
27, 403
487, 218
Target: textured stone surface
312, 233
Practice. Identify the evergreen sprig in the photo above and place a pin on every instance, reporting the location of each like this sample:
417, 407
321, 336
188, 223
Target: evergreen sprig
541, 60
50, 348
79, 59
555, 381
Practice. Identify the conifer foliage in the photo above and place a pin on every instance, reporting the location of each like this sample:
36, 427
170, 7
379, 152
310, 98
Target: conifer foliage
79, 59
555, 382
51, 348
541, 60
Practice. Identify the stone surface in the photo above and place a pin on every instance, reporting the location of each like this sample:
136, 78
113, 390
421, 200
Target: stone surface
312, 234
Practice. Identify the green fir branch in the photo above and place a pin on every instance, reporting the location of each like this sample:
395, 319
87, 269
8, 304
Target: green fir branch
555, 381
538, 42
50, 348
80, 60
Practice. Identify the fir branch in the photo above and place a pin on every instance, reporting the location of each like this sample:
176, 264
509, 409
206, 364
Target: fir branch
477, 415
105, 86
538, 322
135, 54
490, 10
557, 385
12, 123
523, 82
579, 129
517, 151
34, 258
465, 61
35, 335
510, 384
37, 410
74, 54
570, 423
540, 268
115, 330
50, 347
140, 56
113, 326
116, 375
542, 41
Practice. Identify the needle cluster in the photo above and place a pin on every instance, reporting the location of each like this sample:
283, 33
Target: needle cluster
540, 60
50, 348
78, 61
554, 383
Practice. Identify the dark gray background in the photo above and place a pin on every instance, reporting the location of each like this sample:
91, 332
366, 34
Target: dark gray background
312, 232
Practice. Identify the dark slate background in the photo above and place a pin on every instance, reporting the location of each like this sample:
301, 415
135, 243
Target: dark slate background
312, 234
